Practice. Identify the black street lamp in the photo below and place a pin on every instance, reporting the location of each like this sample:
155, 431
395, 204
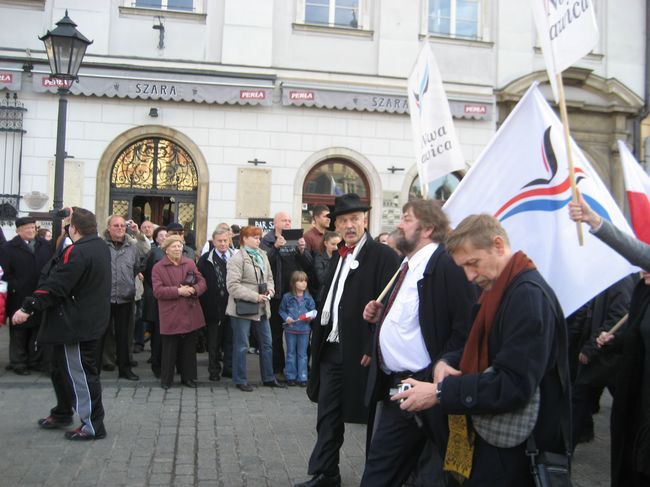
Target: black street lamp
65, 47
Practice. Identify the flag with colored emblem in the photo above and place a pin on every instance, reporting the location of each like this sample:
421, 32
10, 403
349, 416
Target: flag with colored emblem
637, 190
522, 179
437, 149
567, 32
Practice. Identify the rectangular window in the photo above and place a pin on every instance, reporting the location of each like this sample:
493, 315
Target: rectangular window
454, 18
333, 13
178, 5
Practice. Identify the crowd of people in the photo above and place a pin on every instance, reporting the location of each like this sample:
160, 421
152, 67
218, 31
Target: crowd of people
447, 343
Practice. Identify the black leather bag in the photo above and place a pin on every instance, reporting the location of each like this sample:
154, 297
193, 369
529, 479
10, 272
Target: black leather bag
551, 470
246, 308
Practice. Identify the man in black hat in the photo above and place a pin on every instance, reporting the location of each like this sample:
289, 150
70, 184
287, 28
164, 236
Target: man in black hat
22, 259
342, 340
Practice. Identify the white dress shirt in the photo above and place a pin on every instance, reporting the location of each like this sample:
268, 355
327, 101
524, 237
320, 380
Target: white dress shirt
400, 340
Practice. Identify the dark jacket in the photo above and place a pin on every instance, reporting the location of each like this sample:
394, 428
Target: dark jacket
74, 293
215, 300
523, 350
284, 261
446, 300
22, 269
149, 302
630, 420
377, 264
321, 271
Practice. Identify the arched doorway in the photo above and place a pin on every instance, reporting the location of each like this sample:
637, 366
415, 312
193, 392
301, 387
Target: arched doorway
104, 190
329, 179
156, 179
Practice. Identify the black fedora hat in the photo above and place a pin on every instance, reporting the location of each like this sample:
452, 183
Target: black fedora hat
347, 203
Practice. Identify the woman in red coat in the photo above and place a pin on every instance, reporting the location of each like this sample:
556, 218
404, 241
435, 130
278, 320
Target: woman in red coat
177, 284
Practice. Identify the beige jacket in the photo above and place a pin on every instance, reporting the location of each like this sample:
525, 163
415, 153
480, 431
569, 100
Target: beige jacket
242, 284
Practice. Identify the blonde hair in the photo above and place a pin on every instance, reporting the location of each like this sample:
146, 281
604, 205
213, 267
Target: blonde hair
479, 230
170, 240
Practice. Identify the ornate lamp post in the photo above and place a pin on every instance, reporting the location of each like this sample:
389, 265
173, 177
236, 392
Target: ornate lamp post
65, 47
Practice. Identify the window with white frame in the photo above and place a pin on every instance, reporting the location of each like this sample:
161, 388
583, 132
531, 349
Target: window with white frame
454, 18
333, 13
177, 5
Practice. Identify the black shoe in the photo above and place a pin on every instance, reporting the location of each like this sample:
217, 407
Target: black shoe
321, 480
291, 383
21, 371
215, 377
128, 375
108, 368
51, 423
275, 383
165, 386
189, 383
245, 387
79, 435
226, 373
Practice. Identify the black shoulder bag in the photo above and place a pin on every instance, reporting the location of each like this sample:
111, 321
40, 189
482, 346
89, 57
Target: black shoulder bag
554, 469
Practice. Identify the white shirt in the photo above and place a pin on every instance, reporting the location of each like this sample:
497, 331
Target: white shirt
341, 274
400, 340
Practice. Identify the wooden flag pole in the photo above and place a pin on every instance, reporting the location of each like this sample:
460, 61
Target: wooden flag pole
388, 286
620, 323
567, 140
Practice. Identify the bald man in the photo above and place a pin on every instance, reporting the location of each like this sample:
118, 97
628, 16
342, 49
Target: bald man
284, 259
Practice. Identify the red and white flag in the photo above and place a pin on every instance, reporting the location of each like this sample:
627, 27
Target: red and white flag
637, 189
522, 179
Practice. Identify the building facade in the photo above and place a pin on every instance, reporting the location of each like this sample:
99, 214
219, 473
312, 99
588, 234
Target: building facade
203, 111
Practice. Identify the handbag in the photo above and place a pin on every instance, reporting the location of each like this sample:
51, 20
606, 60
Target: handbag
246, 308
549, 469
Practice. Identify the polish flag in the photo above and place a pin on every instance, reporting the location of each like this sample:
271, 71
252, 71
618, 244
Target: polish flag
637, 188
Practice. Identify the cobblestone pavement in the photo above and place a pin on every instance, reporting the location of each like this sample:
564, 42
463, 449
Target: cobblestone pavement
214, 435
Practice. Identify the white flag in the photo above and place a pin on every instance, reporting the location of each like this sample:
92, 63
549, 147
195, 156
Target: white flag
437, 149
567, 31
637, 190
522, 179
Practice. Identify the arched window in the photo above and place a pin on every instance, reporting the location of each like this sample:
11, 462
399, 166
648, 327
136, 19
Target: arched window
439, 189
155, 179
329, 179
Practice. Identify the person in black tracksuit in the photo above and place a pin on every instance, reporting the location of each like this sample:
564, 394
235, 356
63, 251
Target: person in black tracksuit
74, 297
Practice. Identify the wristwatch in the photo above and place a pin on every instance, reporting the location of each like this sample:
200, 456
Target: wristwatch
438, 390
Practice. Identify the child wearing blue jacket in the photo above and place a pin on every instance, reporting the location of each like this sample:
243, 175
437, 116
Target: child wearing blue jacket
297, 309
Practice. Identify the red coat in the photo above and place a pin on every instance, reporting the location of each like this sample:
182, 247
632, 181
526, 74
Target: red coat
177, 314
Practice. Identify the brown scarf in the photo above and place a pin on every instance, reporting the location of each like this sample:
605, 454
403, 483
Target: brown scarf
475, 359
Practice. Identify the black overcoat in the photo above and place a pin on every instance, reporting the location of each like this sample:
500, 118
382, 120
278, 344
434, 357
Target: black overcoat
630, 425
22, 269
377, 264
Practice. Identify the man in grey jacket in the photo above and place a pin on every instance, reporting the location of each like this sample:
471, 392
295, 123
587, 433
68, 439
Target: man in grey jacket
126, 263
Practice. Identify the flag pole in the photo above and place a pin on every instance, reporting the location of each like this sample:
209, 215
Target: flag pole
567, 140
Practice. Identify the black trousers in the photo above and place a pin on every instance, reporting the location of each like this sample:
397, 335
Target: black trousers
178, 349
22, 351
277, 336
156, 347
329, 426
75, 377
219, 341
121, 324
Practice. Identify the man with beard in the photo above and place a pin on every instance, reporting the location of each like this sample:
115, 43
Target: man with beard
427, 314
342, 339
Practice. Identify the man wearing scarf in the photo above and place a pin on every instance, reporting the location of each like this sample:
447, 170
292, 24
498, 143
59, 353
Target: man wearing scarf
515, 332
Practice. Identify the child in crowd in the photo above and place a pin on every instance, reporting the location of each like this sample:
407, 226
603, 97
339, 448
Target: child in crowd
297, 309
